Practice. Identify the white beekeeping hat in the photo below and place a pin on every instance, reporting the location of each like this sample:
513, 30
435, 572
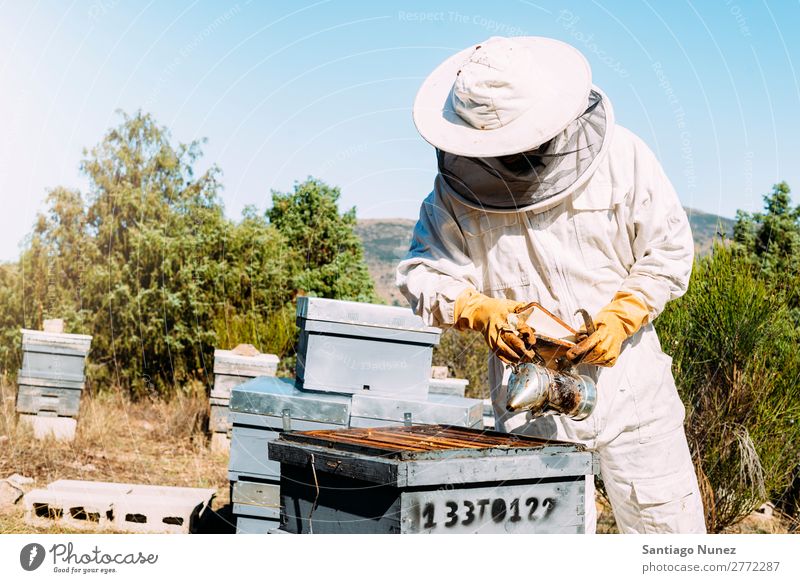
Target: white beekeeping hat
503, 96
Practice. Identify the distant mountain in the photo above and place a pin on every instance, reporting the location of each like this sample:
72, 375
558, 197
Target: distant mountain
386, 242
706, 226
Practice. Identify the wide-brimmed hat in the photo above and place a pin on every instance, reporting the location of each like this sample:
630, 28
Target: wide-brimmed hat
503, 96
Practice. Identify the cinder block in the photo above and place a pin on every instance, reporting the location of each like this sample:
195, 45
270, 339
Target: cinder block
158, 513
69, 508
228, 362
225, 383
60, 428
219, 421
444, 386
124, 507
53, 326
220, 443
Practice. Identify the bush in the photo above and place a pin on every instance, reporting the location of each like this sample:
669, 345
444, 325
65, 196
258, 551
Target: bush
466, 355
737, 366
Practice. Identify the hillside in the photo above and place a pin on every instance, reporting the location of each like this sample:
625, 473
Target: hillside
386, 242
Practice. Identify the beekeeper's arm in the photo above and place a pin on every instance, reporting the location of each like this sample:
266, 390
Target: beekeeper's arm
663, 251
663, 247
440, 282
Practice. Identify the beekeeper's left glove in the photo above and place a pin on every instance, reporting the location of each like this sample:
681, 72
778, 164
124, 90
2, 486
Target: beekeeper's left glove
490, 317
613, 325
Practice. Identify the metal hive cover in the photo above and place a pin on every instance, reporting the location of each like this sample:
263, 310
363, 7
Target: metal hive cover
78, 342
273, 395
360, 313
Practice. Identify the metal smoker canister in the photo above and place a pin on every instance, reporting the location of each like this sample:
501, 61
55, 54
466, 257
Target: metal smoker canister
543, 391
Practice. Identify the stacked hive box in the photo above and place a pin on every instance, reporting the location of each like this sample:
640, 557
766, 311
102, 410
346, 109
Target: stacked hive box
350, 347
260, 410
358, 365
232, 369
51, 381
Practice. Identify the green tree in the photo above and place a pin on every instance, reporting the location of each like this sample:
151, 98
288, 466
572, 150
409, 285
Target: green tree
323, 242
156, 229
254, 287
10, 318
466, 356
771, 238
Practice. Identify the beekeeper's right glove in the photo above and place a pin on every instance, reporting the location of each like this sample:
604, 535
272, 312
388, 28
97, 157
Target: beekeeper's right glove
489, 316
615, 323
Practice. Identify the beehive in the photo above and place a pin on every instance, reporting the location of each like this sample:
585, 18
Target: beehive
230, 370
263, 408
51, 381
429, 479
352, 347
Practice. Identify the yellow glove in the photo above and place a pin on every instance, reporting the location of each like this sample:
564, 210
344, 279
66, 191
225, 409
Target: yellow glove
613, 325
489, 316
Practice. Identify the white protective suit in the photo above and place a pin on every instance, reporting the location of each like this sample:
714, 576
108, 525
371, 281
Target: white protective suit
622, 230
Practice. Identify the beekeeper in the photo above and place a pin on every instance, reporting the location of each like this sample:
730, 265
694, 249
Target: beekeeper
541, 197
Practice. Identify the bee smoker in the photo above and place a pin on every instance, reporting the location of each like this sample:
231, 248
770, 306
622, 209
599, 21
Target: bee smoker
545, 392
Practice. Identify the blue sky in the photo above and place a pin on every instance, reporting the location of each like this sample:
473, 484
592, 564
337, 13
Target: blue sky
287, 90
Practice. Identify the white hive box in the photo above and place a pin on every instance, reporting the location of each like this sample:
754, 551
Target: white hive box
350, 347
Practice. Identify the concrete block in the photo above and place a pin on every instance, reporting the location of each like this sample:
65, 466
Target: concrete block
220, 443
68, 508
225, 383
228, 362
54, 326
60, 428
453, 387
124, 507
219, 421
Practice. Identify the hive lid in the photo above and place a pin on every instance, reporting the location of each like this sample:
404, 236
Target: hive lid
80, 342
272, 396
361, 314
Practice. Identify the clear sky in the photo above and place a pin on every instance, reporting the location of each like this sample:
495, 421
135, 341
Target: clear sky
287, 90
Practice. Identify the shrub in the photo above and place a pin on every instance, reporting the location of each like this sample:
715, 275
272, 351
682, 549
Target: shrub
737, 366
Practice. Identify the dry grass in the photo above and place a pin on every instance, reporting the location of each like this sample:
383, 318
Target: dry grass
159, 442
148, 442
753, 524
